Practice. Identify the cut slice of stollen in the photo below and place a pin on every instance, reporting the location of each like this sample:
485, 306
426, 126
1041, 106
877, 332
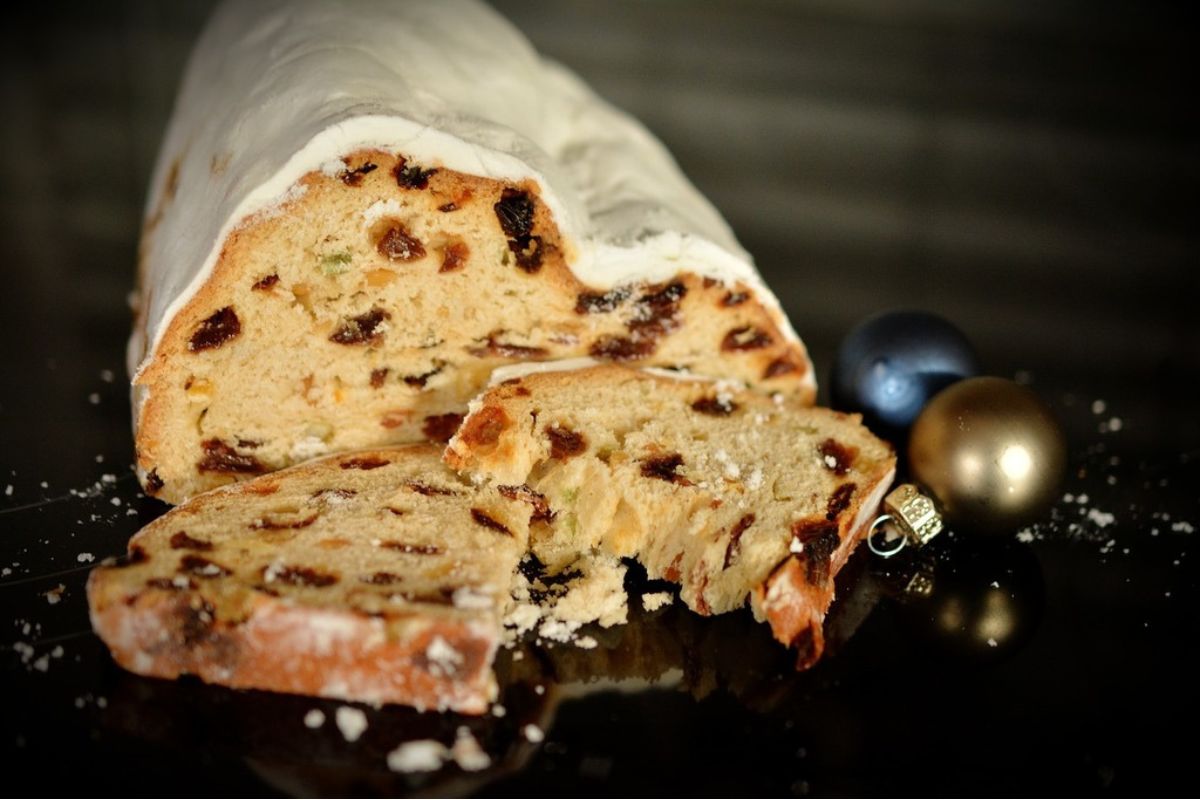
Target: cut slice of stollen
377, 576
733, 495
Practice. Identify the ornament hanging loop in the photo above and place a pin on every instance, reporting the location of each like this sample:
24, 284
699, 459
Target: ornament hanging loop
890, 547
915, 516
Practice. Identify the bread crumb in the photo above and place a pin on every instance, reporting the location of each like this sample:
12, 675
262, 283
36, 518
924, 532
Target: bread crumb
85, 558
598, 595
472, 597
421, 755
351, 722
533, 733
1101, 518
586, 642
467, 753
308, 447
54, 595
656, 600
314, 719
557, 630
523, 617
498, 710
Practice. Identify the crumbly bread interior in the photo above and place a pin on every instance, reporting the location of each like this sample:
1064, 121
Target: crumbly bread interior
716, 488
378, 576
370, 306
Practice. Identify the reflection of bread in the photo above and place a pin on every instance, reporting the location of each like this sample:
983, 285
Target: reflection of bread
376, 576
728, 493
357, 216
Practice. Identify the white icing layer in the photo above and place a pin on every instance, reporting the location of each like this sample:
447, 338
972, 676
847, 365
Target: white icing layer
279, 88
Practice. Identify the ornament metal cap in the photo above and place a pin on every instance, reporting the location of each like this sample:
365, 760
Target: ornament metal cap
915, 516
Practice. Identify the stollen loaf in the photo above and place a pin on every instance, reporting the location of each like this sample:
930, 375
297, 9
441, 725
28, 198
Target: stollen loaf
389, 575
361, 209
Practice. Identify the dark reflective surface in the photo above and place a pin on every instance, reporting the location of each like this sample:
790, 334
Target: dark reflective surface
1026, 171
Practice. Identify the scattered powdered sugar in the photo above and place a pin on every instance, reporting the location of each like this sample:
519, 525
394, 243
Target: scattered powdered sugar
442, 657
731, 470
351, 722
315, 718
755, 481
421, 755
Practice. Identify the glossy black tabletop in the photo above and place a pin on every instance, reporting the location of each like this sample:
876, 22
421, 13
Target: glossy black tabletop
1026, 170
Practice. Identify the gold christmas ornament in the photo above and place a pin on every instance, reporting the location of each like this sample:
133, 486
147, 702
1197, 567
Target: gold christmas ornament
990, 452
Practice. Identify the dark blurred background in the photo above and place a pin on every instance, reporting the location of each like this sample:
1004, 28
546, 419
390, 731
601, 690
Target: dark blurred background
1026, 169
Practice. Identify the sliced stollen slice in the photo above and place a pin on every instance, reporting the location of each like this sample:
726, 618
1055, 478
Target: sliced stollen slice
732, 495
356, 216
378, 576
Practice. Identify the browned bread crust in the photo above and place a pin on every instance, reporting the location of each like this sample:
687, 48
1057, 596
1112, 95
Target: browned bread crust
369, 308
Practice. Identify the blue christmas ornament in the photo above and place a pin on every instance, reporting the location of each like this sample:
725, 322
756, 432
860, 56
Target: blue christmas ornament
889, 367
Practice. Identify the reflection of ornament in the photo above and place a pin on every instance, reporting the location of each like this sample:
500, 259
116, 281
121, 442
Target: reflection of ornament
980, 601
889, 366
990, 452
